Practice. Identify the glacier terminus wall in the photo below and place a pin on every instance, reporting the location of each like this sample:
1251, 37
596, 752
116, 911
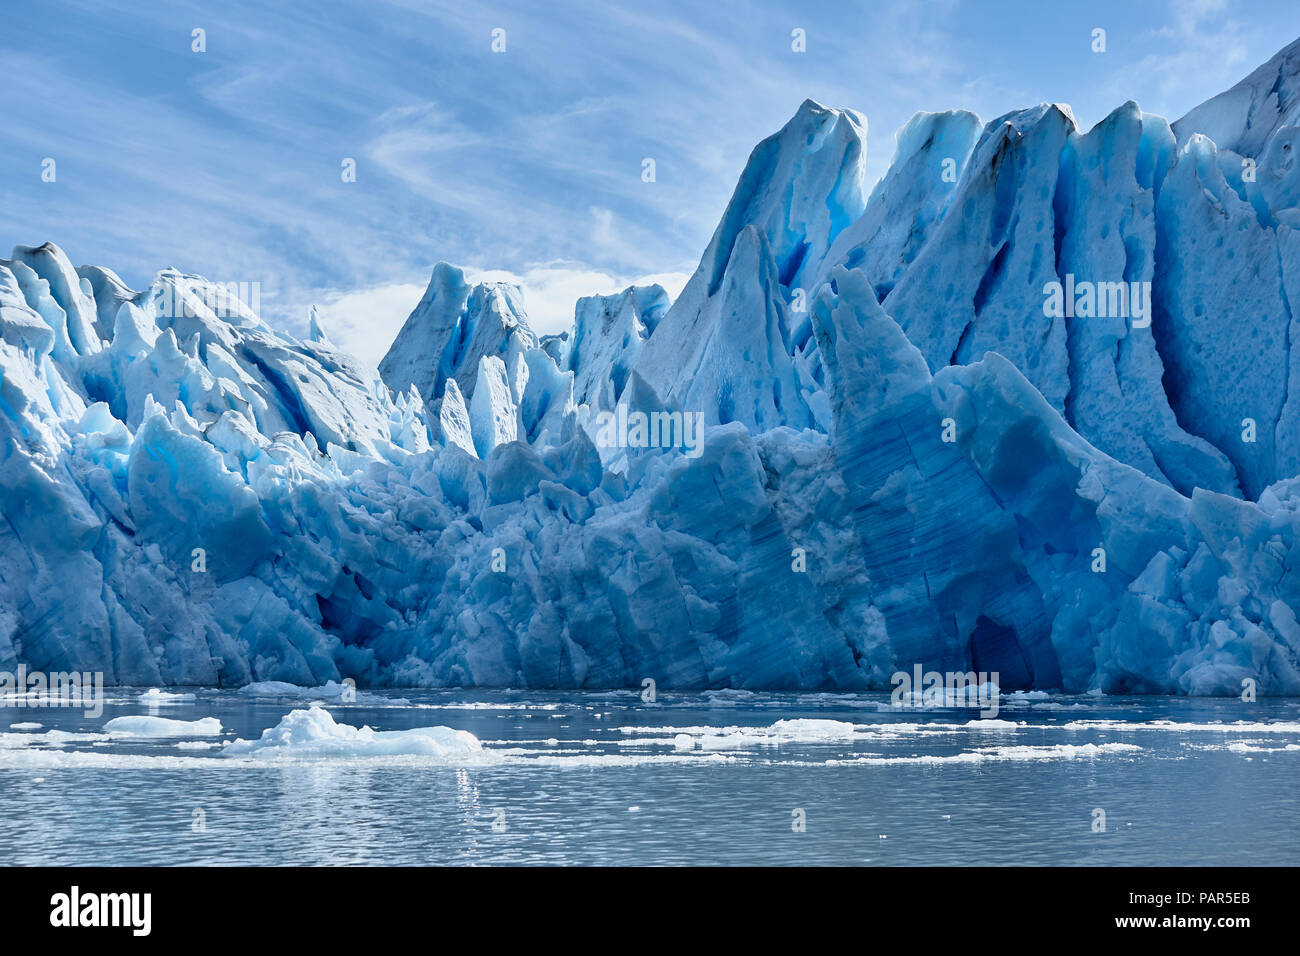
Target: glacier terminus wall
1030, 405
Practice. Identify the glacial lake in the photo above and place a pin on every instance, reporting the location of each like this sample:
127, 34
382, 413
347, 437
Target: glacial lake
722, 777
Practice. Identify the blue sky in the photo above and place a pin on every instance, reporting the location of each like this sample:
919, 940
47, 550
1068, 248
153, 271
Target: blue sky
527, 162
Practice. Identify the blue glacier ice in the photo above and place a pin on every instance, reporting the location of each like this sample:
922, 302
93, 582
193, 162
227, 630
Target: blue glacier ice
907, 457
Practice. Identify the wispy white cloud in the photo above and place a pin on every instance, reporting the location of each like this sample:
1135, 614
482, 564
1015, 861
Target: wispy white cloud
1195, 50
552, 289
366, 321
228, 162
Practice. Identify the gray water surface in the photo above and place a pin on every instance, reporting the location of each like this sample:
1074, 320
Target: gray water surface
605, 778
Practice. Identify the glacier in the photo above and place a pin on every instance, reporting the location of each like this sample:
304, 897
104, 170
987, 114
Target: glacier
906, 457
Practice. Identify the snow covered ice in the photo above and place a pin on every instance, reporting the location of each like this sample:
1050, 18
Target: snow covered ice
906, 457
314, 733
140, 725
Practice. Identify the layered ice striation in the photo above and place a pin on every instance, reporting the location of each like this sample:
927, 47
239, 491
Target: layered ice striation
1027, 406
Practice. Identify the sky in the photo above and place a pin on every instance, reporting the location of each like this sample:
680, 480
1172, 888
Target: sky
522, 162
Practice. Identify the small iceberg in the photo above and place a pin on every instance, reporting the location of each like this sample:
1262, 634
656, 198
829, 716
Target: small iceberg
144, 726
332, 692
153, 697
314, 733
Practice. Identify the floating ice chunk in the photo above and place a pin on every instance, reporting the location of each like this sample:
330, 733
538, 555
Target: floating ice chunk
729, 696
276, 688
50, 738
797, 730
312, 732
812, 730
994, 754
1245, 747
332, 691
145, 726
153, 697
1239, 727
991, 724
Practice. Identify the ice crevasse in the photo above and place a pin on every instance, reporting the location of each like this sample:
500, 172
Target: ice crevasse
905, 456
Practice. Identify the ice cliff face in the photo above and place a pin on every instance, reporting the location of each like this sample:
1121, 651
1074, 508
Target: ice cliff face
1027, 406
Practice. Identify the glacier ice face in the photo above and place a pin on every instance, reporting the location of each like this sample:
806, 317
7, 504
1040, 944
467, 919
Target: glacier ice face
912, 196
453, 327
908, 456
1255, 112
728, 346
